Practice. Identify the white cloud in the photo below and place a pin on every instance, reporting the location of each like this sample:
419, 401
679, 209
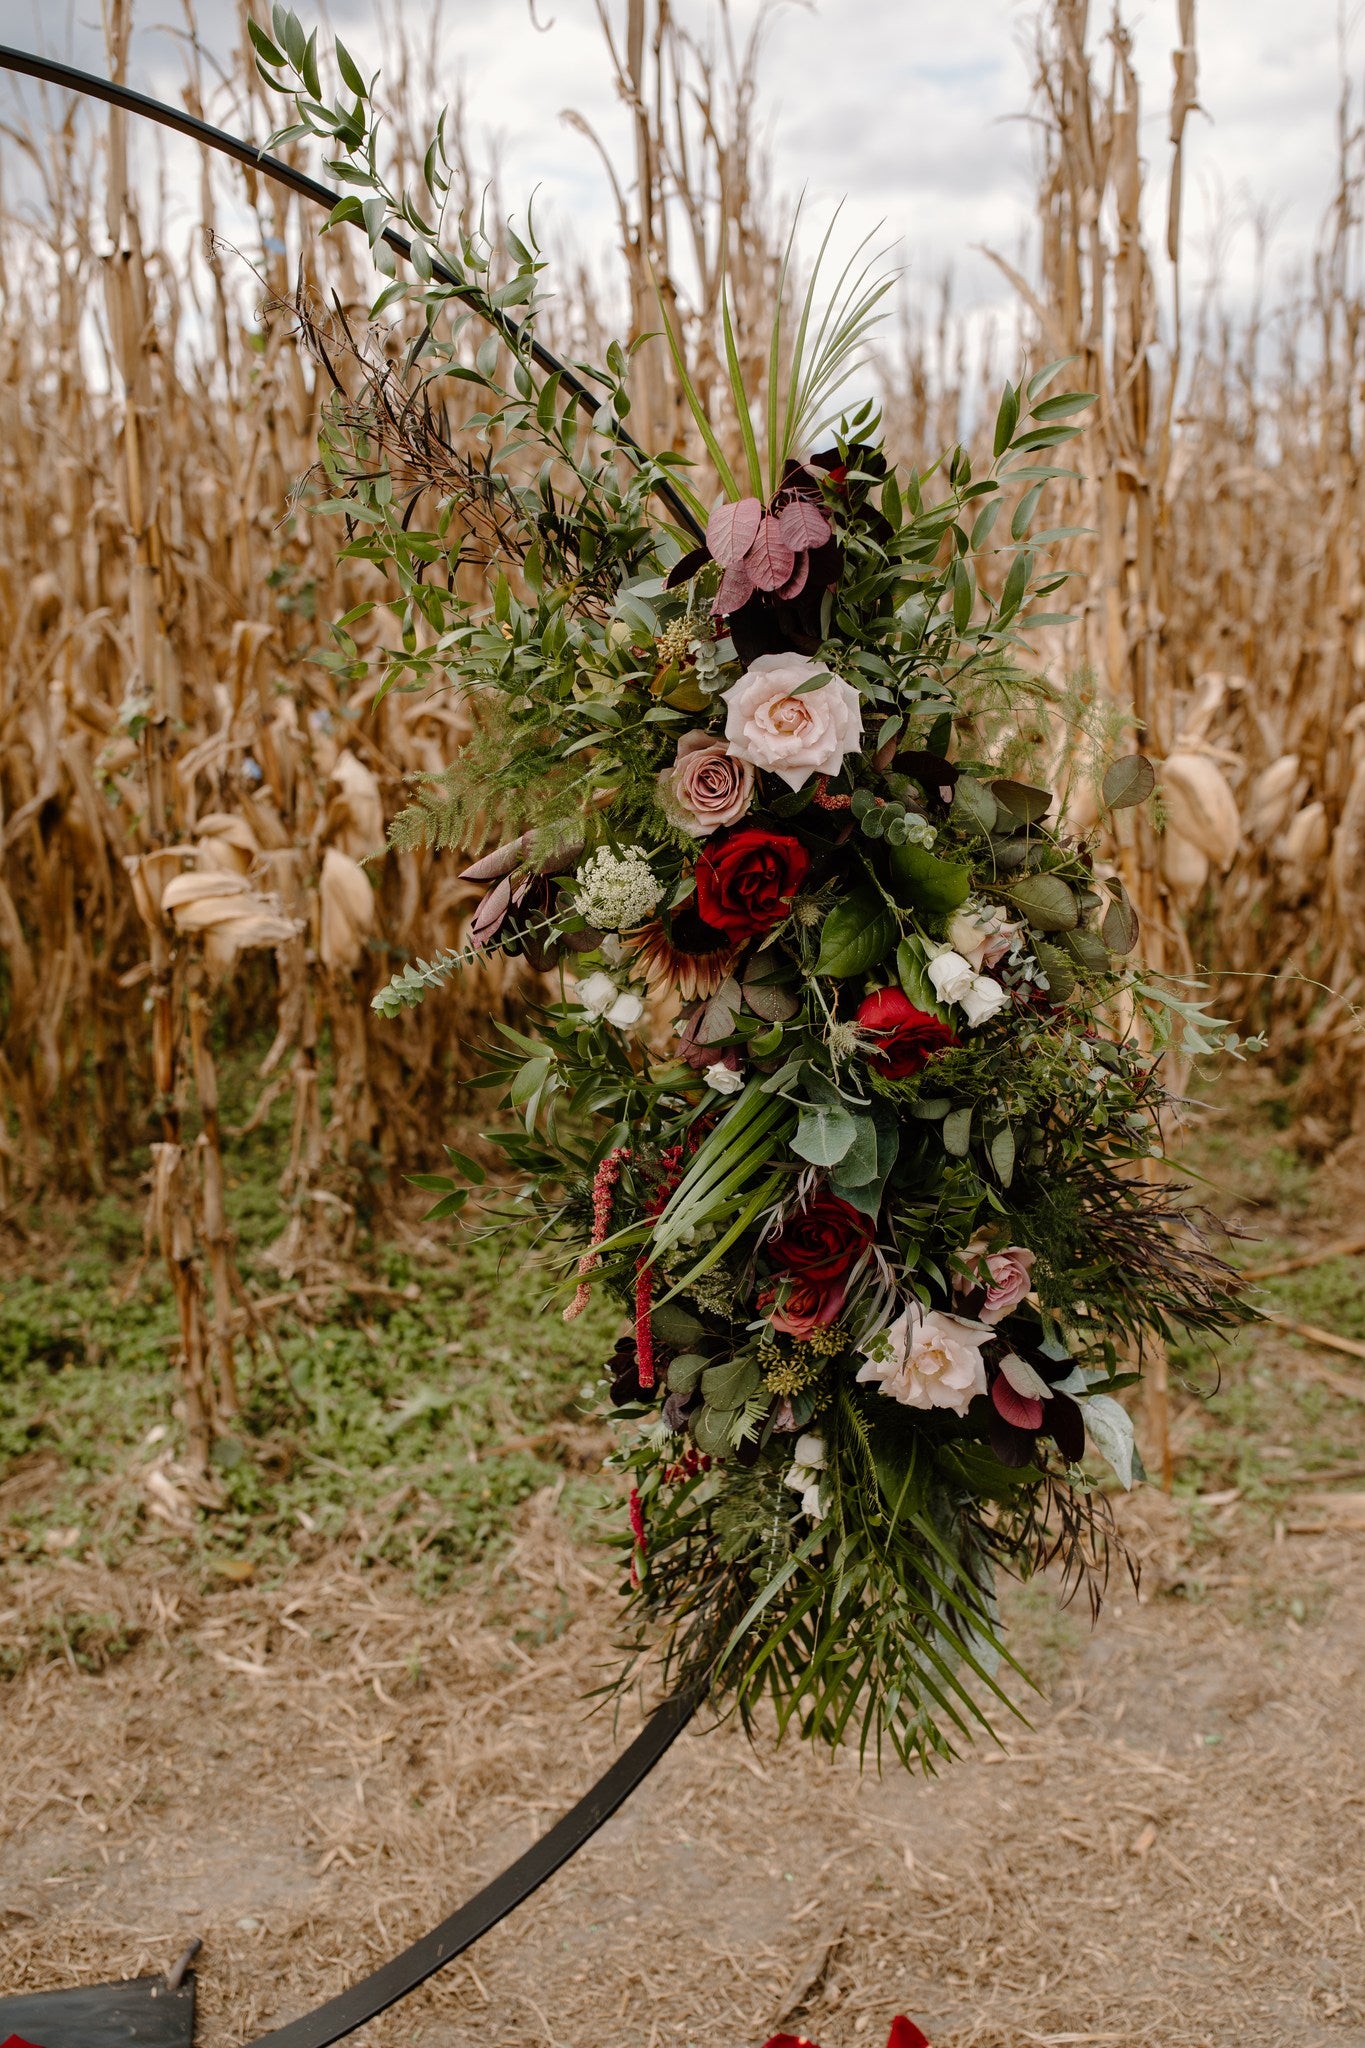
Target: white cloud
904, 107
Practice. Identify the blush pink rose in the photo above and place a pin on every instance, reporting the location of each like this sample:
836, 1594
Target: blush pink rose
706, 787
1011, 1277
928, 1359
792, 736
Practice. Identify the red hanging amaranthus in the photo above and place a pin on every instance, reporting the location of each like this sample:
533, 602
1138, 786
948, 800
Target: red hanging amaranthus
670, 1173
603, 1188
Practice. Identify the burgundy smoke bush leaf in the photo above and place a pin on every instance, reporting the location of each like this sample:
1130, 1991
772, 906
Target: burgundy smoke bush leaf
1066, 1427
683, 571
796, 582
732, 530
491, 867
1020, 1409
736, 588
488, 918
770, 562
803, 525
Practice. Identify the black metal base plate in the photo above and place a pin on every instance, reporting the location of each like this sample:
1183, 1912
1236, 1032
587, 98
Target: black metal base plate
141, 2011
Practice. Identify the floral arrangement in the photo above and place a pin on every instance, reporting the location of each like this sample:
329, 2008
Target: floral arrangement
844, 1081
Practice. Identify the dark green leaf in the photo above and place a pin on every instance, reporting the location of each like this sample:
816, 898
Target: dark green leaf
1007, 418
921, 881
858, 933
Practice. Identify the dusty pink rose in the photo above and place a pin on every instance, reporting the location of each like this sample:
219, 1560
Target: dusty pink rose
793, 736
1011, 1277
928, 1359
983, 935
706, 787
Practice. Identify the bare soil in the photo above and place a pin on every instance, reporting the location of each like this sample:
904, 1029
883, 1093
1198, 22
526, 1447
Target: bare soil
307, 1776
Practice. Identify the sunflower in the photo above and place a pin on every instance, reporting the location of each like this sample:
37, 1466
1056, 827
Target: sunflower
681, 951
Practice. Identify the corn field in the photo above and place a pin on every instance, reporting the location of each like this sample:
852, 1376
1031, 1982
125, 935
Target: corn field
193, 810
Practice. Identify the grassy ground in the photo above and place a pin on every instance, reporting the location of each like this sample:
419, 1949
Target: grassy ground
404, 1410
305, 1721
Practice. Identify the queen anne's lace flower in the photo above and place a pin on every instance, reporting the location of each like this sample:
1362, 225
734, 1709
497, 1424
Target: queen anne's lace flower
617, 891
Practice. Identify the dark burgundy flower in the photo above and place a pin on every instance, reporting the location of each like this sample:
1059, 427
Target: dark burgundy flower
907, 1038
747, 879
823, 1240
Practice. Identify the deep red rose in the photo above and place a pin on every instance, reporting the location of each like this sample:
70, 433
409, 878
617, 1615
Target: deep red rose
908, 1038
746, 881
822, 1241
807, 1306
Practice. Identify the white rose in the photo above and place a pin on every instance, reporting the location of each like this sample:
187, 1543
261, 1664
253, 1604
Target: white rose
628, 1009
794, 737
983, 1000
724, 1079
810, 1450
928, 1359
597, 993
951, 975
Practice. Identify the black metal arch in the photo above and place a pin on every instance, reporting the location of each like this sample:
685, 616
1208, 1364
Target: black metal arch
92, 86
364, 2001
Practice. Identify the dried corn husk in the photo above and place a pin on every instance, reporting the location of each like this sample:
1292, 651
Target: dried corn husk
1271, 798
150, 874
230, 914
1303, 845
1184, 866
1201, 807
1348, 853
355, 813
348, 912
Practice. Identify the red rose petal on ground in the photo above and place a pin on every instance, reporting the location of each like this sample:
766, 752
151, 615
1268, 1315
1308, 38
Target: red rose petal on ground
803, 525
905, 2034
1021, 1409
732, 530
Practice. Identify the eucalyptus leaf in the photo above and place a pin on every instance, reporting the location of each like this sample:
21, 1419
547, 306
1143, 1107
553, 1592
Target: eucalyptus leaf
1119, 925
824, 1135
1025, 801
1002, 1155
1061, 975
673, 1324
1089, 948
1046, 902
1128, 781
974, 805
685, 1371
858, 1164
1111, 1431
730, 1385
710, 1429
957, 1133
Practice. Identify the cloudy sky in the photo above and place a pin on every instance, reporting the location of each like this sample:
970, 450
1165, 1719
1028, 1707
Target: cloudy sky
909, 109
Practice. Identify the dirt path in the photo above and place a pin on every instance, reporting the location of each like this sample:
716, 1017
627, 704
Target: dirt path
307, 1777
